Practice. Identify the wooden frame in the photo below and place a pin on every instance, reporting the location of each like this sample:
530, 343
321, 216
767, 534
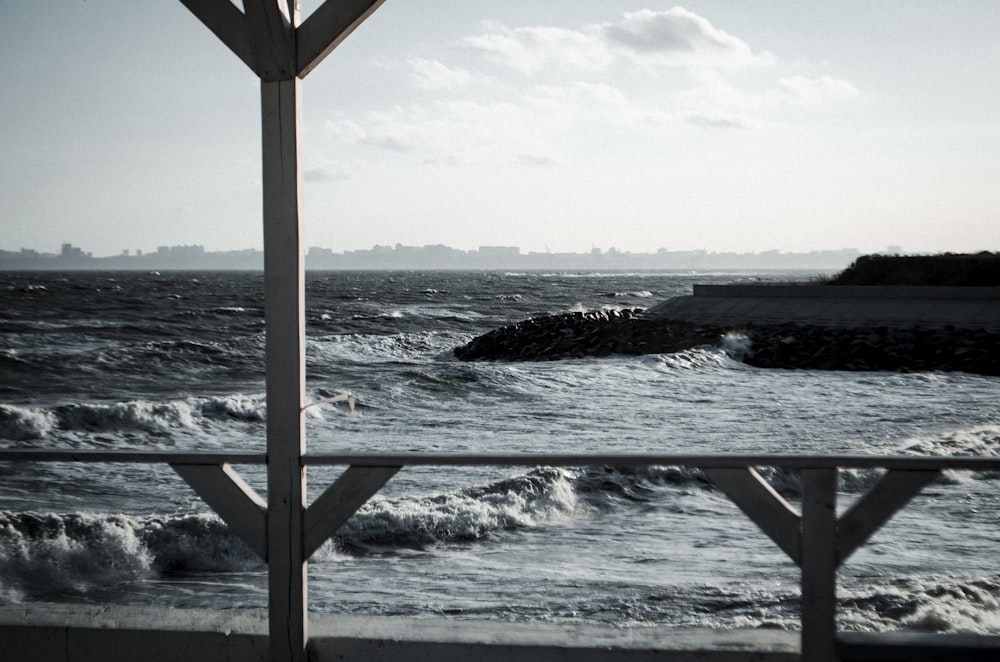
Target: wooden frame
817, 539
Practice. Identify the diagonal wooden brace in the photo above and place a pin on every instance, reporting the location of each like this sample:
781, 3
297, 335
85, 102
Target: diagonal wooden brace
341, 500
232, 499
871, 511
326, 27
228, 23
762, 504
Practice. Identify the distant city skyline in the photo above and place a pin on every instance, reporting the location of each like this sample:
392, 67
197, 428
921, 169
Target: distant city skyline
67, 249
435, 256
561, 126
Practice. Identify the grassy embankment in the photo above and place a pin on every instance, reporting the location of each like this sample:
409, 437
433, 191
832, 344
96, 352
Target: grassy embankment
967, 270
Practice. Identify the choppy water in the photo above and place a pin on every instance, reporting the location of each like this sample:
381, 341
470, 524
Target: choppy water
174, 361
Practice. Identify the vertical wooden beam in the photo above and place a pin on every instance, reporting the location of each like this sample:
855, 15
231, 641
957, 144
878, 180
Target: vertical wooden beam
264, 36
271, 25
284, 299
819, 565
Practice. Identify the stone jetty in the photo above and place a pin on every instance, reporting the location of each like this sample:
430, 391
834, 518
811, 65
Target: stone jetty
895, 329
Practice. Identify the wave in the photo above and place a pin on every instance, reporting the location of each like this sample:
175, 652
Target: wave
924, 604
520, 502
643, 483
47, 553
19, 423
22, 423
374, 348
640, 294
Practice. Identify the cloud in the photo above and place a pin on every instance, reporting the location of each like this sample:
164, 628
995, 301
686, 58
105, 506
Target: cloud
530, 49
678, 37
325, 174
580, 101
536, 160
718, 121
687, 75
434, 75
674, 37
714, 94
804, 91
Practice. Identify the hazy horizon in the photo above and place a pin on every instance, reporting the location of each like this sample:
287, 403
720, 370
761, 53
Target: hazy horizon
144, 251
714, 126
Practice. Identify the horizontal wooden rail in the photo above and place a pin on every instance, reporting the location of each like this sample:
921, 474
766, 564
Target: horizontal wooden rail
707, 461
813, 536
131, 457
785, 461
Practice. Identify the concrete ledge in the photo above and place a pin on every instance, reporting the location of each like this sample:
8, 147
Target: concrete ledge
917, 647
806, 291
393, 639
85, 633
835, 306
39, 632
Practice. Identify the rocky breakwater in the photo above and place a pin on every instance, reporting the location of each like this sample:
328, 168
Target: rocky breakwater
913, 349
801, 346
578, 335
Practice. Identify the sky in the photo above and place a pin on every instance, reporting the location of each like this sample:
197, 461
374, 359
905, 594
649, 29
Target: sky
551, 125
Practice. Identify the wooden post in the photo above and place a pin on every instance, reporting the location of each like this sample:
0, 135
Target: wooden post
284, 297
266, 36
819, 565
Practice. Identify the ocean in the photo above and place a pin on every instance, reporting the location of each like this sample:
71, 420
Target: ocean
174, 361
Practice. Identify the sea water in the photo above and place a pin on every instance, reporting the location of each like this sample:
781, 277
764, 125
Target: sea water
174, 361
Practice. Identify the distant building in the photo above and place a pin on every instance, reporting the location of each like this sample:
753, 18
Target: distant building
499, 251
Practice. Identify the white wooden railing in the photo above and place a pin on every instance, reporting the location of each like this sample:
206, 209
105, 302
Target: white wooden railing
816, 539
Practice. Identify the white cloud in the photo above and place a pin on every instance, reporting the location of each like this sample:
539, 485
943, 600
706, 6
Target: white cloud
715, 94
435, 75
539, 119
678, 37
343, 129
531, 49
536, 160
566, 105
812, 91
325, 174
675, 37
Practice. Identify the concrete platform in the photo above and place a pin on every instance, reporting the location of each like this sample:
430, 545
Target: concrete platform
832, 305
43, 632
40, 632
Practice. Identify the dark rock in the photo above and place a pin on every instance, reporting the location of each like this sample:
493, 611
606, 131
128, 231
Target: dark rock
786, 345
